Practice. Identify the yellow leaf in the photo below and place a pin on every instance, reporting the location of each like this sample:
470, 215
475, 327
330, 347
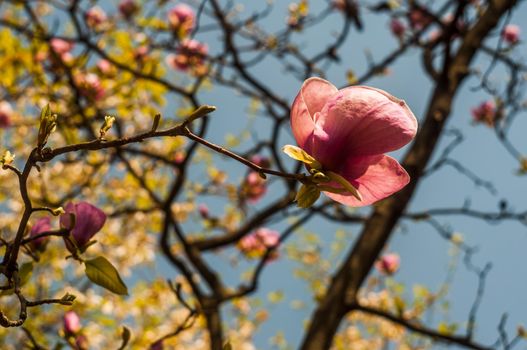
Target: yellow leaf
301, 155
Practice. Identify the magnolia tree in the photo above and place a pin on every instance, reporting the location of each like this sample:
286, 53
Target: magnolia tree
157, 167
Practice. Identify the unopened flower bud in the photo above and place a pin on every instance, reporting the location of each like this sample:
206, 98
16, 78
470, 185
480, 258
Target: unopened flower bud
71, 323
48, 124
108, 122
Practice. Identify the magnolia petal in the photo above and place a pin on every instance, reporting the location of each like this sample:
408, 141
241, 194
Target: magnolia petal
310, 100
315, 93
361, 121
88, 221
375, 177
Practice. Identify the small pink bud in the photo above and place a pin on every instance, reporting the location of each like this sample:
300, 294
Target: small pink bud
203, 211
128, 8
6, 112
81, 342
511, 34
190, 55
179, 157
105, 67
72, 322
60, 46
95, 16
253, 187
90, 86
485, 113
181, 19
418, 18
141, 52
397, 27
42, 225
255, 244
261, 161
388, 264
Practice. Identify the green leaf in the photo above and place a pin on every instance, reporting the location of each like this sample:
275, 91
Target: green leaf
101, 272
307, 195
301, 155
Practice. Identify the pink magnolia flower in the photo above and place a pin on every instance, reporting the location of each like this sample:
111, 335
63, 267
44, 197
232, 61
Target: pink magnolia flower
81, 342
253, 187
42, 225
95, 16
90, 86
60, 46
128, 8
181, 19
140, 53
418, 18
88, 221
71, 322
485, 113
190, 56
511, 34
105, 67
388, 264
397, 27
6, 112
262, 161
255, 244
345, 133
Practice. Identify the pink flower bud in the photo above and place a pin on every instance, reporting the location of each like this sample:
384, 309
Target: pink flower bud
388, 264
179, 157
261, 161
60, 46
397, 27
88, 221
190, 56
128, 8
42, 225
511, 34
105, 67
203, 211
485, 113
81, 342
90, 86
255, 244
253, 187
418, 18
95, 16
181, 19
6, 112
140, 53
71, 322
